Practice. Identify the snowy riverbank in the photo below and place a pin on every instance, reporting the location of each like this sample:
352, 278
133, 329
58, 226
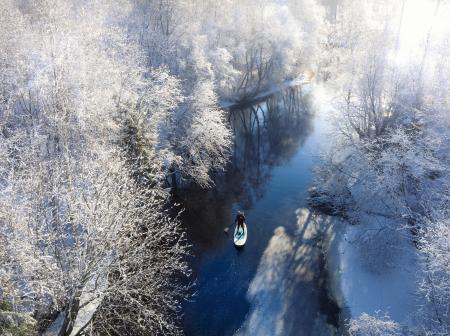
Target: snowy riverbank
232, 102
327, 264
373, 269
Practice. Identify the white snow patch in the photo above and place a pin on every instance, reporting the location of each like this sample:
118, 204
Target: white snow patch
375, 268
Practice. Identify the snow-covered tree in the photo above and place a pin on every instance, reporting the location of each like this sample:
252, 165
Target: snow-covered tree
367, 325
76, 227
434, 246
390, 156
199, 140
245, 44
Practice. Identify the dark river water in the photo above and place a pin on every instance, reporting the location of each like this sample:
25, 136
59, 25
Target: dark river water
252, 291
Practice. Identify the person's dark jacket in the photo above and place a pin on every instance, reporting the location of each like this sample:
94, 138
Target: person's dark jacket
240, 219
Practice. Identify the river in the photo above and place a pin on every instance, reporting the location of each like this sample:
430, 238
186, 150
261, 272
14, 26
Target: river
276, 284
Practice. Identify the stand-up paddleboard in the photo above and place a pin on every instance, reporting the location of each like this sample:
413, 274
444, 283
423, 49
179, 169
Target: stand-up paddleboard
240, 237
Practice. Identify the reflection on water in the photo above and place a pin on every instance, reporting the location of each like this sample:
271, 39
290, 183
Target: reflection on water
268, 177
266, 134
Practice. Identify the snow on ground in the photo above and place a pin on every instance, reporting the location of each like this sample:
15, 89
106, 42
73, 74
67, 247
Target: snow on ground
374, 268
85, 315
90, 299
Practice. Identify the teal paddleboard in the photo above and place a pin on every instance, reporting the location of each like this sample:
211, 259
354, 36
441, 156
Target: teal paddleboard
240, 237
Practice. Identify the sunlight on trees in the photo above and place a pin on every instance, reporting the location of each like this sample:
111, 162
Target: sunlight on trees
391, 152
105, 106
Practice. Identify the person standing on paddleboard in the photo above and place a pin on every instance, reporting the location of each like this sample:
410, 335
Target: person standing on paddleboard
240, 219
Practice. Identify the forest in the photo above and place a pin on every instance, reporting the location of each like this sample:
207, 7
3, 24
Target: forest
115, 115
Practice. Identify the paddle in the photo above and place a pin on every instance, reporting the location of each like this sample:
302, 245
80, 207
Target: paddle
227, 228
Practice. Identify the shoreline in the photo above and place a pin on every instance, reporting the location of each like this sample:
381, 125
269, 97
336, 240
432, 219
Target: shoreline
371, 273
231, 103
332, 267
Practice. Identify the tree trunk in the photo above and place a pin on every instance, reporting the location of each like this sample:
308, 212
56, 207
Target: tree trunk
71, 313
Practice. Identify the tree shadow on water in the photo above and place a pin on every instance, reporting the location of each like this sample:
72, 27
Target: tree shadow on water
288, 293
266, 134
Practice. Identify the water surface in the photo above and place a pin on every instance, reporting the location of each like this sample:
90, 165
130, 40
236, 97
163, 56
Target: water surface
276, 144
